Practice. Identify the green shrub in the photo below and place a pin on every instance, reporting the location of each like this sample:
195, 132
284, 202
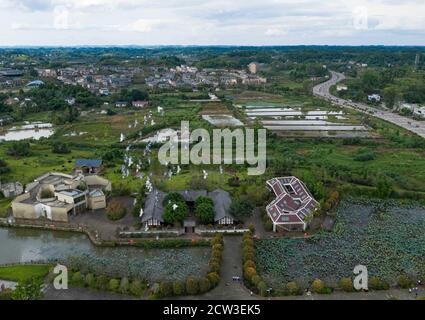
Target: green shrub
78, 279
377, 284
249, 263
192, 286
262, 288
102, 283
136, 288
166, 289
268, 225
404, 282
214, 278
178, 288
114, 285
90, 281
318, 286
346, 284
204, 285
293, 288
214, 266
255, 280
249, 273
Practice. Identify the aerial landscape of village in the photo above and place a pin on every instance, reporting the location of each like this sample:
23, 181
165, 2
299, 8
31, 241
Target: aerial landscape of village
309, 184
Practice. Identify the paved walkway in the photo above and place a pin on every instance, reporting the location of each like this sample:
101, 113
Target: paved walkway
322, 90
231, 266
81, 294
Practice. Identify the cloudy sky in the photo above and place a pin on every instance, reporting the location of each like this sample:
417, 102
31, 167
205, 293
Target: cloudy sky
219, 22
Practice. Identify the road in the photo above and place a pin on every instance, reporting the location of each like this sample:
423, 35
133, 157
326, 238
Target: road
323, 90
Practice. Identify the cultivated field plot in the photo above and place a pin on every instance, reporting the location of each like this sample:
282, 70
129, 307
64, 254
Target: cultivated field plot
389, 243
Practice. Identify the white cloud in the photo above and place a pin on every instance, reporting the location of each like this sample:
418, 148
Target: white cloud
211, 22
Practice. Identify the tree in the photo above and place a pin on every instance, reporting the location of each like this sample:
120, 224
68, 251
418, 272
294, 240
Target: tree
4, 168
175, 212
5, 108
28, 290
391, 96
173, 197
241, 208
204, 210
60, 148
384, 188
19, 149
115, 210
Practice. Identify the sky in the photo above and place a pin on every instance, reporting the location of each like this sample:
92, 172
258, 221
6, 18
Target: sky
220, 22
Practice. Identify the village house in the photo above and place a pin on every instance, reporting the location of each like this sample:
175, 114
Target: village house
419, 112
121, 104
140, 104
88, 166
253, 67
374, 98
293, 206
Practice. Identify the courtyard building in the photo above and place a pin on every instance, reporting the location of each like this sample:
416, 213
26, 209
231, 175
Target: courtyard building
56, 196
293, 206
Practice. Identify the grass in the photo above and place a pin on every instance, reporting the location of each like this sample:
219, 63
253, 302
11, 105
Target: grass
41, 160
21, 273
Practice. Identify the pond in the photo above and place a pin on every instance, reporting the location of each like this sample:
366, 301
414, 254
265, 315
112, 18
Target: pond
30, 130
73, 249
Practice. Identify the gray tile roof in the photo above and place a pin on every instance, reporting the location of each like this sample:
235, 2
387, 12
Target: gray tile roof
153, 206
222, 203
88, 163
192, 195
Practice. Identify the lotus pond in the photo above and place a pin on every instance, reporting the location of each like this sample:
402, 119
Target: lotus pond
76, 251
389, 242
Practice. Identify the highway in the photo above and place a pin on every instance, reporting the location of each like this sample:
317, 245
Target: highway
322, 90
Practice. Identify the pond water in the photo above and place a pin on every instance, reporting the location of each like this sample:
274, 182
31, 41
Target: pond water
222, 120
35, 130
73, 249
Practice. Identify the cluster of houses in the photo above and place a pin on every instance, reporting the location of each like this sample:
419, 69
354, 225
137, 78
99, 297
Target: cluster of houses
190, 77
98, 80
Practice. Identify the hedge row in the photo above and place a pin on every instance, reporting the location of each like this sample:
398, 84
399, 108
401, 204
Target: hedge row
123, 285
251, 277
171, 243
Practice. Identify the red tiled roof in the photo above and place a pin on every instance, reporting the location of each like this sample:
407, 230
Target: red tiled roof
293, 201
